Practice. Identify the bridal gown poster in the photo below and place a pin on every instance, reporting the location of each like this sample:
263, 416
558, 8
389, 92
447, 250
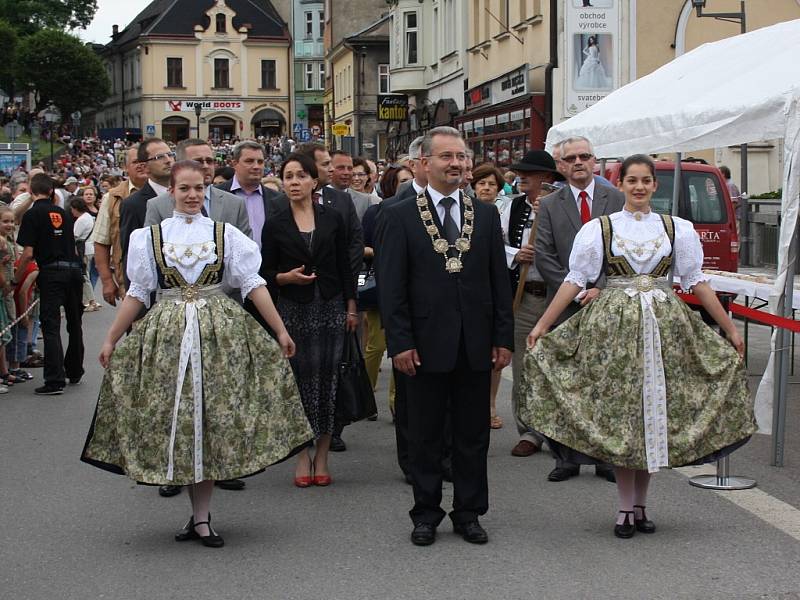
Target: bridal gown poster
592, 52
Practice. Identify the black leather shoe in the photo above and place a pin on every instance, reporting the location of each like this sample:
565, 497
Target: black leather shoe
644, 524
337, 444
212, 540
373, 417
187, 533
626, 529
424, 534
230, 484
472, 532
167, 491
562, 474
49, 389
605, 472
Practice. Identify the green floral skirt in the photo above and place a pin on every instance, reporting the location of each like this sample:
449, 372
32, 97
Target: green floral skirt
252, 416
582, 385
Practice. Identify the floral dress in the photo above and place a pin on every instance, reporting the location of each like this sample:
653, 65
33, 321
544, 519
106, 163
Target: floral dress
637, 379
198, 390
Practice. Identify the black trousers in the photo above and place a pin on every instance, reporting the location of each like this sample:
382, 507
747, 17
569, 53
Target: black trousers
57, 288
429, 397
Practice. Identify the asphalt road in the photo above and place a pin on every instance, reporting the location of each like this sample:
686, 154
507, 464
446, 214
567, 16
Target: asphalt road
73, 531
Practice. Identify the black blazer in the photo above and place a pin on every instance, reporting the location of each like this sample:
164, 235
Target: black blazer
284, 249
273, 201
132, 212
343, 204
426, 308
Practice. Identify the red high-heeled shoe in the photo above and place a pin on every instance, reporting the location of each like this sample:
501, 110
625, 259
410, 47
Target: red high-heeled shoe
304, 482
322, 480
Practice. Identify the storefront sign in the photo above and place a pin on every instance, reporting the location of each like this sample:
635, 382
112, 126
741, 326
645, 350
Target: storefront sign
340, 129
392, 107
208, 105
506, 87
591, 70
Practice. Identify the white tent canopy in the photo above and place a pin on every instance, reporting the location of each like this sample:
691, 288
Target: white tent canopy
737, 90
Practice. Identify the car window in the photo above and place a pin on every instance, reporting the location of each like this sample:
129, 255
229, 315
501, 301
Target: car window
706, 201
706, 204
661, 202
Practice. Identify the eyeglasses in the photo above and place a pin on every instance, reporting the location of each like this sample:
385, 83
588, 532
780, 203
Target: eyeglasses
161, 156
570, 158
205, 161
449, 156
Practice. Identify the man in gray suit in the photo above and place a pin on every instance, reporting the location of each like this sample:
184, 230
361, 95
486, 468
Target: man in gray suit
561, 215
218, 206
342, 178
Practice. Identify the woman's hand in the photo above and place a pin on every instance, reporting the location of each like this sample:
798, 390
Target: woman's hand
736, 340
287, 344
352, 321
534, 336
105, 354
297, 277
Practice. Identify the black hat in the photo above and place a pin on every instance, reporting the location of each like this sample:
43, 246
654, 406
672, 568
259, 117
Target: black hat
537, 160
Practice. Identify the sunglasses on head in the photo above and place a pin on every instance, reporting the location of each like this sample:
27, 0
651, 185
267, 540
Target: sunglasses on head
571, 158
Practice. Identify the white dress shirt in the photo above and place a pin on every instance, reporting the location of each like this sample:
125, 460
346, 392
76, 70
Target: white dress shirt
157, 187
589, 191
511, 251
455, 210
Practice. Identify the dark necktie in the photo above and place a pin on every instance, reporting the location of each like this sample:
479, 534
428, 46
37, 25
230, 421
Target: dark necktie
586, 213
204, 212
451, 230
317, 197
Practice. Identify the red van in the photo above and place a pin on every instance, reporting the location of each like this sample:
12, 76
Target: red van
705, 201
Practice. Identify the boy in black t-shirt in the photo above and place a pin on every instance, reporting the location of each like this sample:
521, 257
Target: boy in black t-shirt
46, 236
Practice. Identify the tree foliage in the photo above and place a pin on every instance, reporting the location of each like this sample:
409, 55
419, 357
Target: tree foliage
61, 70
30, 16
8, 42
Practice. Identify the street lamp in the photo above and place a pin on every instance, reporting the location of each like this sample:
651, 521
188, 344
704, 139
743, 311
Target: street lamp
51, 116
198, 109
744, 239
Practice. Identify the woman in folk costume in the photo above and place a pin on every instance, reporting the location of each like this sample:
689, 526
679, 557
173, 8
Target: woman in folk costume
636, 379
198, 391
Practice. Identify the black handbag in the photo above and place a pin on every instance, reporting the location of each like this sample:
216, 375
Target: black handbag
355, 399
367, 291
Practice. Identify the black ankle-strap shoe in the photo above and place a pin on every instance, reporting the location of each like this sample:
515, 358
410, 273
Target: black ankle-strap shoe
644, 524
626, 529
212, 540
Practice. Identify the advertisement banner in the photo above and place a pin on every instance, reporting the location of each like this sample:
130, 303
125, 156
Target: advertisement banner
592, 37
392, 107
207, 105
513, 84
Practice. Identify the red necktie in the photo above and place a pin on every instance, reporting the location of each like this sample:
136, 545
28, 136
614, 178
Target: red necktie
586, 213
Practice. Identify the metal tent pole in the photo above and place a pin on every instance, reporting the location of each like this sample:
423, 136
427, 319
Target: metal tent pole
782, 351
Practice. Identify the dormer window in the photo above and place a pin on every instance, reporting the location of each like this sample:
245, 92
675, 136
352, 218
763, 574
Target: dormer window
221, 23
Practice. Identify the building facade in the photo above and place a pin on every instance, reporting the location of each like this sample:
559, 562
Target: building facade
356, 44
308, 28
232, 58
428, 64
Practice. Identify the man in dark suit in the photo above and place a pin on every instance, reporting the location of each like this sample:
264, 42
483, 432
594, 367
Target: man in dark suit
446, 300
341, 202
261, 202
561, 215
155, 153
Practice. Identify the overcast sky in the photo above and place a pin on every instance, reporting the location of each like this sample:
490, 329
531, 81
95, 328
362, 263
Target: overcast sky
111, 12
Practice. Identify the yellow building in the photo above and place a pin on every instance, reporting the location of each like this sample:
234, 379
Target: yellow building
232, 58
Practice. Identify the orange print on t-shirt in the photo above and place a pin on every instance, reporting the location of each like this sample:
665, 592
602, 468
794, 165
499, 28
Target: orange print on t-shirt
56, 220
